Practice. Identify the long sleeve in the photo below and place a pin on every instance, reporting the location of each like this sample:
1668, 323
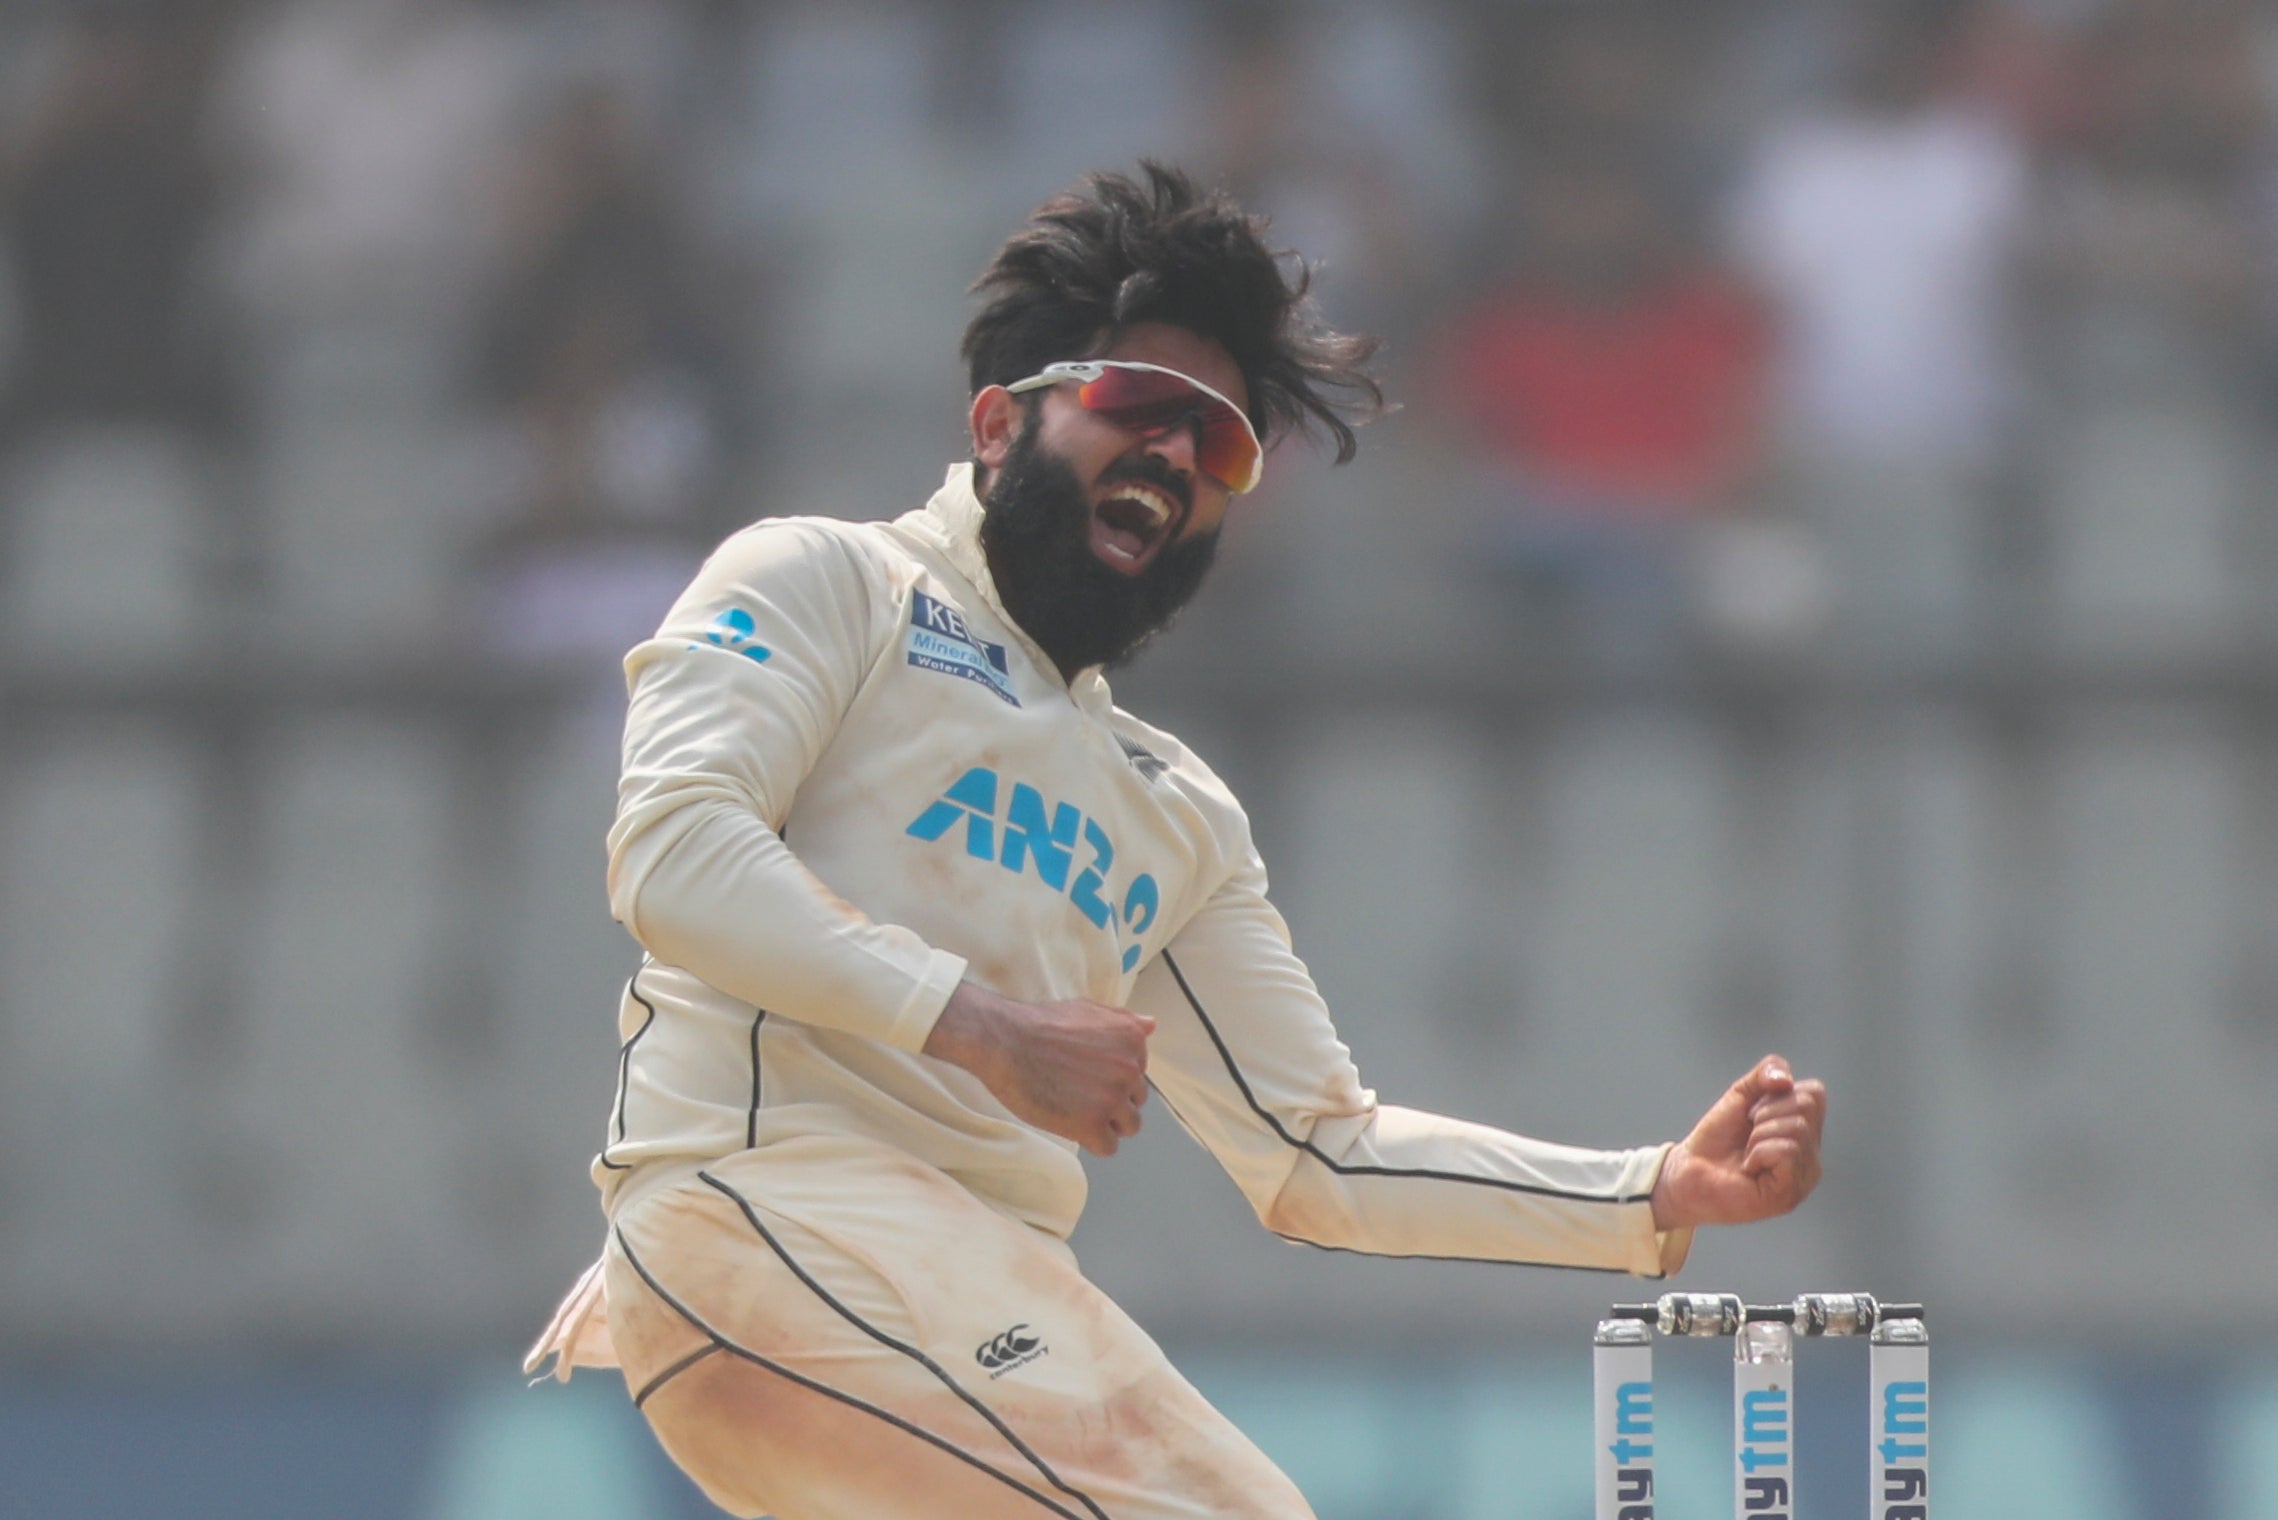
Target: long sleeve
731, 705
1246, 1057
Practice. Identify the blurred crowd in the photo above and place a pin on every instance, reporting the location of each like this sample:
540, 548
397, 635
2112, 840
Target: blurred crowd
1916, 329
374, 372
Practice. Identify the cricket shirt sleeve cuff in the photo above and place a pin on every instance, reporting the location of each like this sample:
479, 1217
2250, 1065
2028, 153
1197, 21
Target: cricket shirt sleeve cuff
921, 1010
1674, 1246
1664, 1251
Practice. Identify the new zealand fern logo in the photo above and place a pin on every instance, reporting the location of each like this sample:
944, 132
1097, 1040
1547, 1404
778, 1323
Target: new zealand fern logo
737, 631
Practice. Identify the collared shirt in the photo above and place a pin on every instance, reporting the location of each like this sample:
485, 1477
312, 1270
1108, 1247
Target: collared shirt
850, 781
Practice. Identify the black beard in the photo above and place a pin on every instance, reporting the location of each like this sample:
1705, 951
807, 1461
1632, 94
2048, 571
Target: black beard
1036, 532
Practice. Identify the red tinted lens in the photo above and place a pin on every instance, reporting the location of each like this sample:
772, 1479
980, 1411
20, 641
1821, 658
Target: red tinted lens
1149, 401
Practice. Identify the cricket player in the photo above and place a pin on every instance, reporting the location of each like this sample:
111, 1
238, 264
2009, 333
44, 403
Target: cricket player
925, 913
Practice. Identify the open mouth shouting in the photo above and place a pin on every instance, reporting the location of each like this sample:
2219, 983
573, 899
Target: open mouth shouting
1131, 522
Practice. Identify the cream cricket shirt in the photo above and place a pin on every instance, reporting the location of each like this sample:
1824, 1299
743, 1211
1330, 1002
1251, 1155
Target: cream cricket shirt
850, 781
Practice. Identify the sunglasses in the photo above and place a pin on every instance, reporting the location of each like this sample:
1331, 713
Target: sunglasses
1148, 399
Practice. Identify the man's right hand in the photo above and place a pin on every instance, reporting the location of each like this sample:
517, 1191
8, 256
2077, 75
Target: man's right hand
1076, 1069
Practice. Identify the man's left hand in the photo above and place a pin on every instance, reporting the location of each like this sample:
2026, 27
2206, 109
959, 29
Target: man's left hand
1754, 1155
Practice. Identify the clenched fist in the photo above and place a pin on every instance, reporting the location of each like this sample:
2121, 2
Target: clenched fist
1076, 1069
1754, 1155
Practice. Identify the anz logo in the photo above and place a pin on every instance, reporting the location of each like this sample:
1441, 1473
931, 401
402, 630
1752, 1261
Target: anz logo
1069, 852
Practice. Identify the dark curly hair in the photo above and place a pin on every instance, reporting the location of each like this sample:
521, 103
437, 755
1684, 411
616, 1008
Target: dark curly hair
1117, 251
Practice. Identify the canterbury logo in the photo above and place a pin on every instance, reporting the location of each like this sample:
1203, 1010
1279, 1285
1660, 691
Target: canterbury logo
1014, 1348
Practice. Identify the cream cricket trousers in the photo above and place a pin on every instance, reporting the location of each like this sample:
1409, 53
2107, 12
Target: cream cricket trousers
827, 1329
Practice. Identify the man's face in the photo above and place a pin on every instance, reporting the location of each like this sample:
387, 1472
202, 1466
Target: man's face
1097, 535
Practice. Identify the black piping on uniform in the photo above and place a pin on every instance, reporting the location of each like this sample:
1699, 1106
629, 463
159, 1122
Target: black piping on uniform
625, 1070
1485, 1261
913, 1353
722, 1343
1339, 1167
751, 1117
675, 1370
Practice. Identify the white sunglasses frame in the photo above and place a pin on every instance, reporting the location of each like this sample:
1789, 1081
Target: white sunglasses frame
1085, 371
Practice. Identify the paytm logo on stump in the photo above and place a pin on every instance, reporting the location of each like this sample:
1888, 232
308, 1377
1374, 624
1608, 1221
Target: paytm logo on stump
1632, 1450
1905, 1450
1025, 836
1763, 1444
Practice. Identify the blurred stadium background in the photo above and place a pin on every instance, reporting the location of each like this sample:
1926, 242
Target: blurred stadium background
1818, 596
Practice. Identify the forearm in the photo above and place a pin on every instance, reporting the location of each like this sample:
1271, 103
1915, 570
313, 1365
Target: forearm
1248, 1058
975, 1026
713, 889
1399, 1182
1075, 1068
